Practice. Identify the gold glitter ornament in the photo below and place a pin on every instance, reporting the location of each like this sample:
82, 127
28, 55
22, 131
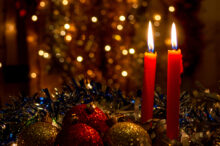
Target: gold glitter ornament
128, 134
38, 134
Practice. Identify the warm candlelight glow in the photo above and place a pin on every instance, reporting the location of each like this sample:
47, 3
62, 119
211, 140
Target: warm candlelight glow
173, 37
150, 38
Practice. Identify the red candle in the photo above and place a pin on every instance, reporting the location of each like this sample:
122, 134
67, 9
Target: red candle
173, 87
149, 79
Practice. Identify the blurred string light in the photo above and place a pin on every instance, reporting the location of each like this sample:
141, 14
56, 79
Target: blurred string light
117, 37
107, 48
157, 17
65, 2
68, 38
131, 17
0, 65
119, 27
110, 60
66, 26
167, 41
89, 86
156, 23
10, 27
125, 52
79, 58
40, 52
131, 50
33, 75
94, 19
157, 34
89, 72
171, 8
42, 4
14, 144
46, 55
62, 32
122, 18
61, 60
34, 18
124, 73
91, 55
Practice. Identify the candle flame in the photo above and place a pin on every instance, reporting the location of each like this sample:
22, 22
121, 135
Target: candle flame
173, 37
150, 38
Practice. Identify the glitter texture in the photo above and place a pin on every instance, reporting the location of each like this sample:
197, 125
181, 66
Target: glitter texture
38, 134
79, 135
88, 114
126, 133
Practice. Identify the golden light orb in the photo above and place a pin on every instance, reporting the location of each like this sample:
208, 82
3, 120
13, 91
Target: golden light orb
62, 32
91, 55
156, 23
34, 18
0, 65
110, 60
131, 50
40, 52
42, 4
171, 8
68, 38
66, 26
33, 75
157, 17
167, 41
125, 52
122, 18
117, 37
94, 19
46, 55
14, 144
119, 27
107, 48
89, 72
65, 2
79, 58
124, 73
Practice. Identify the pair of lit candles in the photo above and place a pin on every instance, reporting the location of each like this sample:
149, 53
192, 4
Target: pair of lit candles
174, 70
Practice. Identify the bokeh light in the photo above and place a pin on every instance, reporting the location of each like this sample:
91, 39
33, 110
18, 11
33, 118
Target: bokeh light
94, 19
131, 50
33, 75
171, 8
79, 58
66, 26
107, 48
34, 18
124, 73
157, 17
122, 18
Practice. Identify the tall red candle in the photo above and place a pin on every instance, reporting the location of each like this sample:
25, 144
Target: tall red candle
173, 87
149, 79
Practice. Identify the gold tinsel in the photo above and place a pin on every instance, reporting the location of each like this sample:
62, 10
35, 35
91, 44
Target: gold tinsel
38, 134
126, 134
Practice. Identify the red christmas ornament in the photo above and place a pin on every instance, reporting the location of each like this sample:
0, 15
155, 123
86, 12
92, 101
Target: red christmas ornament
79, 135
97, 120
88, 114
76, 114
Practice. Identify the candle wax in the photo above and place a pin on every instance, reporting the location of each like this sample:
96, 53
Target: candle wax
148, 89
173, 92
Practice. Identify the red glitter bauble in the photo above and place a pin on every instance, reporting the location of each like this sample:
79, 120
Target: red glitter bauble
76, 114
79, 135
88, 114
97, 120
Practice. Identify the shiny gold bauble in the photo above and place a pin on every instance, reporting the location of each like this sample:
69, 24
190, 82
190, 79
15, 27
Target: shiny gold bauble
38, 134
127, 134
